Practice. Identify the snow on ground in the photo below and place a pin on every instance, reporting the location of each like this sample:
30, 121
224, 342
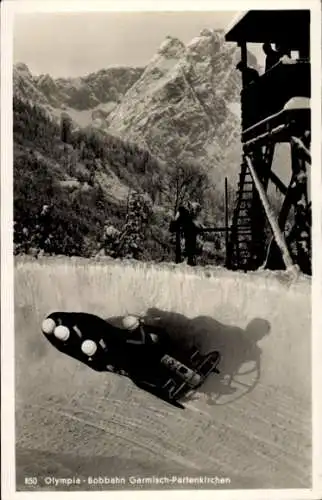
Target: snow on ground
75, 422
84, 118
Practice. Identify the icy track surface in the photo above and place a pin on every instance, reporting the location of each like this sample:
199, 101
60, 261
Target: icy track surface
253, 425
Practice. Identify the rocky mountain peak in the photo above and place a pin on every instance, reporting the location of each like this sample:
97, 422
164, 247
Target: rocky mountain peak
47, 84
25, 86
22, 69
182, 104
171, 47
209, 42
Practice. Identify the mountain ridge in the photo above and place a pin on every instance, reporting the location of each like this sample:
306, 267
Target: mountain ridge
85, 98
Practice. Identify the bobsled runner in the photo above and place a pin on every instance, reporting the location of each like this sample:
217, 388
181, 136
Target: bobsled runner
182, 379
136, 350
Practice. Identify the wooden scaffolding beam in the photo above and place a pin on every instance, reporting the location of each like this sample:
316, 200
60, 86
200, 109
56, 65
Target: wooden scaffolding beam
279, 238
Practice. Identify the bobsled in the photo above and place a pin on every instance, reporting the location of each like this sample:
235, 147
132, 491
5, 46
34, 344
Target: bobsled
144, 353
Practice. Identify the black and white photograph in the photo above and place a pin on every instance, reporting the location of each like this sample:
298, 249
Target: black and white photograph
161, 229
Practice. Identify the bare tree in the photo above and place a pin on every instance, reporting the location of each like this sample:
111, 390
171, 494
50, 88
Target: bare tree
186, 182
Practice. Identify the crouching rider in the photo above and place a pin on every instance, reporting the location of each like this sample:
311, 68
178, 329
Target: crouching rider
141, 346
135, 334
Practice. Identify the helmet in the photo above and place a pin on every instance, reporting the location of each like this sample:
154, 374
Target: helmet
89, 347
130, 322
61, 332
48, 326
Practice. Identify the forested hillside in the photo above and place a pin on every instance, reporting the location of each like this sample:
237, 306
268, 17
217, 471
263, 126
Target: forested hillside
84, 192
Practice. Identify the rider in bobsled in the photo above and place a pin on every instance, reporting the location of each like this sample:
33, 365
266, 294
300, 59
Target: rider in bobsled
141, 346
98, 343
135, 333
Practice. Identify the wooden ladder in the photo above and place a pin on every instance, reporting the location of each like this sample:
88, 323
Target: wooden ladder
241, 231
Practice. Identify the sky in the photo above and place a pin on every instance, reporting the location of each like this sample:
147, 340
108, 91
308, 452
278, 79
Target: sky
75, 44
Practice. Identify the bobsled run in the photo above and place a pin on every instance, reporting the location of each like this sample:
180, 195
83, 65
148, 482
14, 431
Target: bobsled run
229, 351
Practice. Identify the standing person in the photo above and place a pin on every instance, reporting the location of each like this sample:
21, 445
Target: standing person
274, 56
186, 223
251, 104
249, 74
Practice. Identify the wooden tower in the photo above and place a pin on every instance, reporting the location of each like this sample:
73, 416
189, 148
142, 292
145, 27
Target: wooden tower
275, 109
